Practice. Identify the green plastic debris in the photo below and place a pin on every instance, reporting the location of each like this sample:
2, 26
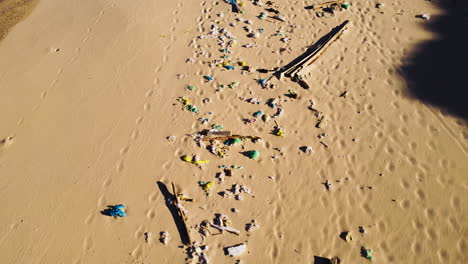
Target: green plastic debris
292, 94
190, 87
232, 141
345, 5
253, 154
192, 108
217, 127
367, 253
233, 85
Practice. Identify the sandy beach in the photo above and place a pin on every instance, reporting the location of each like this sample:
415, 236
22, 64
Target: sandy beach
110, 102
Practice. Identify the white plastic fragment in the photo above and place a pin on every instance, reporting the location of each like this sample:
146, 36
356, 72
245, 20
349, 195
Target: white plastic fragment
236, 250
164, 237
425, 16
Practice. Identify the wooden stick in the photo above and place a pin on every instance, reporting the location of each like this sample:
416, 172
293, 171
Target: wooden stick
218, 133
315, 7
228, 137
298, 69
181, 213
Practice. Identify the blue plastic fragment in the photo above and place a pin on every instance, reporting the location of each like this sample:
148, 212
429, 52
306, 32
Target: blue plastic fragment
229, 67
258, 113
262, 82
117, 211
208, 78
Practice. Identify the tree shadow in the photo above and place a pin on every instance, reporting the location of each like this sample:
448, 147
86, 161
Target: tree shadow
437, 72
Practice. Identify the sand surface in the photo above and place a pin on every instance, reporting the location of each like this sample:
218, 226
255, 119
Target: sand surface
89, 95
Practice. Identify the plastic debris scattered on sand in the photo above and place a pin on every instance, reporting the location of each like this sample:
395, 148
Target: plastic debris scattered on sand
206, 186
190, 87
148, 236
116, 210
257, 114
232, 141
367, 253
193, 160
217, 127
208, 78
424, 16
263, 82
253, 154
164, 237
236, 250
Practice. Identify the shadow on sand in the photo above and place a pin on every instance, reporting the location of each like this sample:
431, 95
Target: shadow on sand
437, 71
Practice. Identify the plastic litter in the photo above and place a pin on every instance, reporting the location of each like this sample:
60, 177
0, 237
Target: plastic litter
424, 16
190, 87
206, 186
192, 108
217, 127
229, 67
116, 210
258, 113
307, 149
252, 154
236, 250
262, 15
208, 78
164, 237
263, 82
148, 236
232, 141
367, 253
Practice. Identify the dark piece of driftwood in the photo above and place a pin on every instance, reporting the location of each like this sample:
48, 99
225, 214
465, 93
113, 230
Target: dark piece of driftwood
223, 138
327, 4
298, 68
218, 133
182, 214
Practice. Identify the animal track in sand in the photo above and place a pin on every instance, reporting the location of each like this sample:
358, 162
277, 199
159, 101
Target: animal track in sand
135, 134
87, 243
120, 166
151, 214
405, 204
455, 202
89, 219
431, 233
107, 182
420, 194
101, 201
139, 232
417, 225
152, 197
430, 213
416, 247
139, 120
137, 252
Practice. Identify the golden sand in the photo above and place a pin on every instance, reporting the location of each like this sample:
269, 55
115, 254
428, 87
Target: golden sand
89, 97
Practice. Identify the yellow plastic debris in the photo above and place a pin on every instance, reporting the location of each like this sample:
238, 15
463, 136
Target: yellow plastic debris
187, 159
242, 63
208, 186
201, 162
280, 133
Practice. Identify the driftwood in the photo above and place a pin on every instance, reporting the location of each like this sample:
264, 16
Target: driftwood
298, 68
327, 4
182, 214
218, 133
224, 138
